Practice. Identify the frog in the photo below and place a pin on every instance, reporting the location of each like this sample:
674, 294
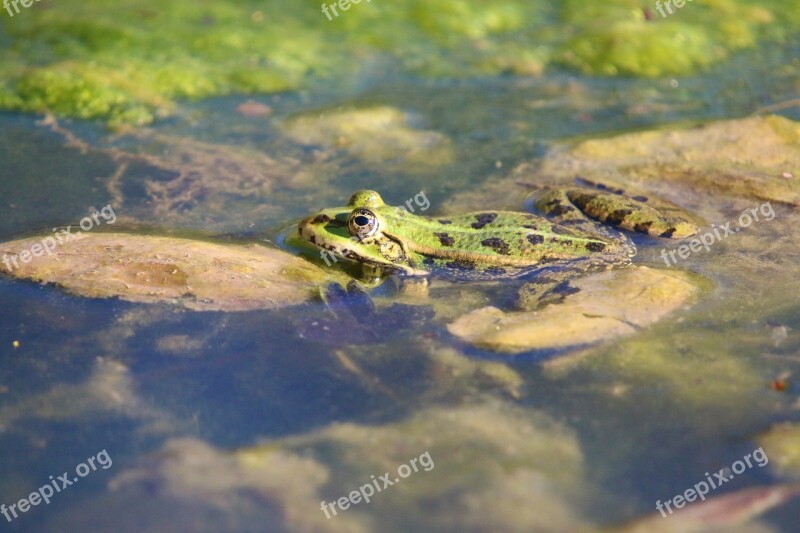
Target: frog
573, 231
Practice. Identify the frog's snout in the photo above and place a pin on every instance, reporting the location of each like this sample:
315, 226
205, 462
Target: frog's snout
304, 228
310, 227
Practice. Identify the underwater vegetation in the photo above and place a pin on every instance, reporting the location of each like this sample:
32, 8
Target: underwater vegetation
132, 63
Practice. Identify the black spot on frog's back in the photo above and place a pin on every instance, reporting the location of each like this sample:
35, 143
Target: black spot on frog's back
483, 219
497, 244
595, 246
535, 239
444, 221
617, 217
445, 239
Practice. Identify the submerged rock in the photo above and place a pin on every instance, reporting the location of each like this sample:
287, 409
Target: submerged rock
605, 306
487, 466
378, 136
782, 445
235, 490
199, 275
108, 392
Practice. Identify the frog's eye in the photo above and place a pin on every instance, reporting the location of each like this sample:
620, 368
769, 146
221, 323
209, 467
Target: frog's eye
362, 223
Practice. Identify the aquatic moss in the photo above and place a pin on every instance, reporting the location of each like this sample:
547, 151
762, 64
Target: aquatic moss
129, 63
634, 38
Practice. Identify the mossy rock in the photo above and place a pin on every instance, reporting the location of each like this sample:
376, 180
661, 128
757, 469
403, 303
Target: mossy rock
755, 158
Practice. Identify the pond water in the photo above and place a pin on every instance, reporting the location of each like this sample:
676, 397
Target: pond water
248, 420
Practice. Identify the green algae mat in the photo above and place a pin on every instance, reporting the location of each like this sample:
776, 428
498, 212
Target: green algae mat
132, 64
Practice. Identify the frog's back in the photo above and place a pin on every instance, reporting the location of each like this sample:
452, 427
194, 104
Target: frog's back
501, 243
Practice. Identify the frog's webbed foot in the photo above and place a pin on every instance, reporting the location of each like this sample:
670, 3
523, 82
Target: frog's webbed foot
571, 206
351, 300
538, 293
551, 285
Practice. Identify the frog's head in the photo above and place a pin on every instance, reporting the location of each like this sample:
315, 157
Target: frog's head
356, 231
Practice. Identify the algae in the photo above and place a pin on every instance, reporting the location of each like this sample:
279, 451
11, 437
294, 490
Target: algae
133, 63
622, 37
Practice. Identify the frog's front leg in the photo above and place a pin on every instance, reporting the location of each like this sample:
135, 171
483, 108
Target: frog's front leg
414, 286
637, 214
373, 276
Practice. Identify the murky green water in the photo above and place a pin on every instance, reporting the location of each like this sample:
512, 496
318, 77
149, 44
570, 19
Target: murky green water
245, 421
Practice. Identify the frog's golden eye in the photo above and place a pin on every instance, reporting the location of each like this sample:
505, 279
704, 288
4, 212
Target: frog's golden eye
362, 223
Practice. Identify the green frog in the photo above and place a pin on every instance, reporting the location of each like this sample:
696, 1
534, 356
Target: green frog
575, 233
